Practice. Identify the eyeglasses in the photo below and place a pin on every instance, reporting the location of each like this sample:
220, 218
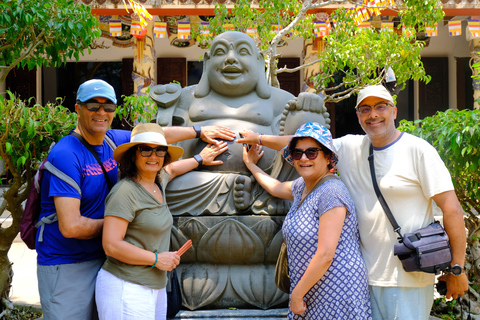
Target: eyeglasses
311, 153
379, 108
95, 106
146, 151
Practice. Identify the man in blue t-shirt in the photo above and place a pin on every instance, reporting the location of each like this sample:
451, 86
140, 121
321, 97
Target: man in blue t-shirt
70, 251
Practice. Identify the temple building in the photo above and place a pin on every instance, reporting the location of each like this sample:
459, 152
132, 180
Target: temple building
133, 62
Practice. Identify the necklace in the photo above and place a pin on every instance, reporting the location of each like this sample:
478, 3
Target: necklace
153, 186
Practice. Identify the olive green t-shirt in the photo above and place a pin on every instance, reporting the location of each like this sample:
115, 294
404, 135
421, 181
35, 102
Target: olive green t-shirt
149, 228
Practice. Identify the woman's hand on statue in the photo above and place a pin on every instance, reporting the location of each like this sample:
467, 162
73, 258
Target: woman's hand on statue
253, 155
210, 133
249, 137
211, 151
297, 305
167, 261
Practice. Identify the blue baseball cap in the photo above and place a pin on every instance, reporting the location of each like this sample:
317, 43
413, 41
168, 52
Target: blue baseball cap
96, 88
315, 131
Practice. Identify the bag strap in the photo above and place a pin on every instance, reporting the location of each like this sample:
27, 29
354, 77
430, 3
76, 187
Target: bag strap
59, 174
89, 147
53, 217
319, 183
110, 142
380, 197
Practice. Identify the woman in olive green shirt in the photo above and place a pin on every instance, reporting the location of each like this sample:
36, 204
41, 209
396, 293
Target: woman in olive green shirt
137, 226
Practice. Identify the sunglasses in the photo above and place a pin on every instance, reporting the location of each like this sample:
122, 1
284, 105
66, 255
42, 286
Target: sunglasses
146, 151
95, 106
310, 153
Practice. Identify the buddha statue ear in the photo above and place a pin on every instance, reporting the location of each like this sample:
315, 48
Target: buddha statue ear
263, 89
203, 86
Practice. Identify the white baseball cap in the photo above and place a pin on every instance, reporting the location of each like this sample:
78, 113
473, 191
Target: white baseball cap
378, 91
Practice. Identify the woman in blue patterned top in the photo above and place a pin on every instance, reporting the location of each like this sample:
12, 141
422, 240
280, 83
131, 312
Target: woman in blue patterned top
327, 273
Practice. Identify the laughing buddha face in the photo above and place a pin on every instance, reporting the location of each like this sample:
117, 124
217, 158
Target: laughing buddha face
232, 66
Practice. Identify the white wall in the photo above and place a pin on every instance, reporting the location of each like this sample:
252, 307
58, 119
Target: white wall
163, 49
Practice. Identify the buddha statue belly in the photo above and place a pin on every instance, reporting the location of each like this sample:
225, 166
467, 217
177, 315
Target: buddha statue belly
224, 189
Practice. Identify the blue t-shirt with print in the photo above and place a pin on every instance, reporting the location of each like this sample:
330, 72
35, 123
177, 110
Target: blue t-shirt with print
71, 157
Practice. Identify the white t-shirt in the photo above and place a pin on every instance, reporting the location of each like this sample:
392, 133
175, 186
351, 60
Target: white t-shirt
409, 172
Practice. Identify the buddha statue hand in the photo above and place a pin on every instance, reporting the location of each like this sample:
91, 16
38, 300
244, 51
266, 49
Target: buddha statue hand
304, 108
165, 97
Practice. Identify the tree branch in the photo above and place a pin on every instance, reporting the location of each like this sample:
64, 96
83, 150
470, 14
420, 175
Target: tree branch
303, 66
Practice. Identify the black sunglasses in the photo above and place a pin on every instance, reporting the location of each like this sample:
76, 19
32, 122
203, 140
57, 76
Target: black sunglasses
146, 151
94, 106
310, 153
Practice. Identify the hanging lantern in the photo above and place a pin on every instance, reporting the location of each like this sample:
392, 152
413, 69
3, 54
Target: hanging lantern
138, 32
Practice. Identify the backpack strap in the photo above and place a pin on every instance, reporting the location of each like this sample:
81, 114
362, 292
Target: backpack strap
67, 179
53, 217
62, 176
110, 142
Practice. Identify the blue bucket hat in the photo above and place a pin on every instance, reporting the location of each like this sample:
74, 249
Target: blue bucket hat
315, 131
96, 88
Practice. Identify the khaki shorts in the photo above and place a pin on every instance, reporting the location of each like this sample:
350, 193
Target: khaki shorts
401, 303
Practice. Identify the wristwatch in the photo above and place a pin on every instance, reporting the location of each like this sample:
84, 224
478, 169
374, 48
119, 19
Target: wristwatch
199, 159
456, 269
198, 130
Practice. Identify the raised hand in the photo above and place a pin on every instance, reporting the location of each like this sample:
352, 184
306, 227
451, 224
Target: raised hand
249, 137
210, 133
253, 155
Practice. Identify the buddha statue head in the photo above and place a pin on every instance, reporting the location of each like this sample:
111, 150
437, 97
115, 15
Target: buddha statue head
233, 67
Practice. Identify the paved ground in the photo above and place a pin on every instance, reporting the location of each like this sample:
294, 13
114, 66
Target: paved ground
25, 289
24, 286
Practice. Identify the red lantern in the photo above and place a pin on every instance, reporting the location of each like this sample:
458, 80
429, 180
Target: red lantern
143, 33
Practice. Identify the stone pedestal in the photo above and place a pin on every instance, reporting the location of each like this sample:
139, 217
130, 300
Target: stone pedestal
231, 263
226, 314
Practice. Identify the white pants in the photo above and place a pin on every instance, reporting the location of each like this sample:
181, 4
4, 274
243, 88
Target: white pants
122, 300
401, 303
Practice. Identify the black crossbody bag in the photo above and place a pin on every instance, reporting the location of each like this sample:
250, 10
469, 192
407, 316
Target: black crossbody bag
426, 249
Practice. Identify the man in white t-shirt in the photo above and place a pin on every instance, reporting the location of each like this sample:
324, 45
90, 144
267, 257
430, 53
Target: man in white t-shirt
411, 176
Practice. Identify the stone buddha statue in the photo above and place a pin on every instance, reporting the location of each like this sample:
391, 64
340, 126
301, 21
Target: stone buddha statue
232, 92
234, 224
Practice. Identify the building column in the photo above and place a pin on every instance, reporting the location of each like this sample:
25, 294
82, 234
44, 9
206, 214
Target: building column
143, 74
475, 54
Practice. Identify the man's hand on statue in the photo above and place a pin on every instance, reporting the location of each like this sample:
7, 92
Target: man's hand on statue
211, 151
253, 155
307, 101
249, 137
210, 133
456, 285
